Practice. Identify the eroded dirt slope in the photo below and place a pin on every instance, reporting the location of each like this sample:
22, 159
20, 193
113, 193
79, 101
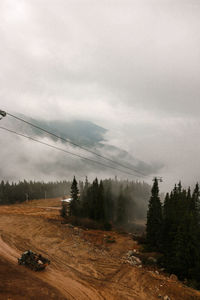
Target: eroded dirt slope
83, 265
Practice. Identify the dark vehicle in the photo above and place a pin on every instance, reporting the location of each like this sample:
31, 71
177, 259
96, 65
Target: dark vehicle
33, 261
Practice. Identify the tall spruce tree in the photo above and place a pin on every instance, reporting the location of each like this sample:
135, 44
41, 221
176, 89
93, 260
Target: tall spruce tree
154, 219
74, 204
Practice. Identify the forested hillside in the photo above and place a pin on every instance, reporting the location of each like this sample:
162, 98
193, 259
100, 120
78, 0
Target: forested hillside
109, 201
11, 193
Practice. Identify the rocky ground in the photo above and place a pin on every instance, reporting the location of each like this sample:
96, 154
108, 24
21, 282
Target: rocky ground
85, 264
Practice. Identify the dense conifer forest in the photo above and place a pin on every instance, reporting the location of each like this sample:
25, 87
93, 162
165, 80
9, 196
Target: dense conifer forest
173, 228
11, 193
110, 201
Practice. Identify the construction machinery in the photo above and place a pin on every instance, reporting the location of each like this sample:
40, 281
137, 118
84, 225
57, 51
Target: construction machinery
33, 261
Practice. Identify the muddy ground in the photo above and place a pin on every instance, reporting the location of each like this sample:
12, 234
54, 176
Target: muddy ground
83, 264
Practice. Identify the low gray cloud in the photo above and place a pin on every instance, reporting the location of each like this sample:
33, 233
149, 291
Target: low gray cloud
47, 157
129, 66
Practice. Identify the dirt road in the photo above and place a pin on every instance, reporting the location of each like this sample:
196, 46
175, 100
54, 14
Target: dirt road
83, 265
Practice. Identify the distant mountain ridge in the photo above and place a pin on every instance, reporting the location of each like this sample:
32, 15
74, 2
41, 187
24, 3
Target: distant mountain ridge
88, 135
78, 131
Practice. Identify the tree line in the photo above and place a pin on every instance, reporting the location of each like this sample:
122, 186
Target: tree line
11, 193
173, 228
109, 201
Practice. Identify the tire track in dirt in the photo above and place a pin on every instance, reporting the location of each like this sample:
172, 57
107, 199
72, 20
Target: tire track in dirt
81, 267
69, 287
72, 288
9, 253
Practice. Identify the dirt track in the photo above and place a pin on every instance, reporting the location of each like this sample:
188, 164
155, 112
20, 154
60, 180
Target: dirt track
83, 265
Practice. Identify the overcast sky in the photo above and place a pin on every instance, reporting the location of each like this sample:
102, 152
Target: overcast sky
132, 67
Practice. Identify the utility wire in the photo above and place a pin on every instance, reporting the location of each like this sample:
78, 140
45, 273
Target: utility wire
75, 144
63, 150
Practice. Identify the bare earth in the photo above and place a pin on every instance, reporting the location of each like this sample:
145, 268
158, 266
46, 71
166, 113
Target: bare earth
83, 266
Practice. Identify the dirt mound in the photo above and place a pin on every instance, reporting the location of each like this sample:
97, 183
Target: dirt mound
84, 265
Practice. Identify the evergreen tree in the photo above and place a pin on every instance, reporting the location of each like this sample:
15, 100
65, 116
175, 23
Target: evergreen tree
196, 200
109, 203
167, 218
154, 219
186, 243
181, 233
100, 206
85, 200
129, 205
74, 204
94, 199
121, 209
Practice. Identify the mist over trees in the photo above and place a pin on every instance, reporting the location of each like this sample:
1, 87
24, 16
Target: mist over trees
173, 227
11, 193
110, 201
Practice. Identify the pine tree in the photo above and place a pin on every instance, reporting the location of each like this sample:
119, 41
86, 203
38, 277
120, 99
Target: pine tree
154, 219
109, 204
186, 243
100, 205
74, 205
85, 199
182, 233
196, 200
121, 209
129, 205
94, 199
167, 217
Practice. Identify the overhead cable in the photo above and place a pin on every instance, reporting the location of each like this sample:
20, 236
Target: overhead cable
75, 144
63, 150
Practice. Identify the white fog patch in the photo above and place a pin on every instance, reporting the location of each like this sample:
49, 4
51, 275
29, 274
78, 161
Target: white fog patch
131, 67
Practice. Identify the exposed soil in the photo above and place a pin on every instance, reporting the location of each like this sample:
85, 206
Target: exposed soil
83, 264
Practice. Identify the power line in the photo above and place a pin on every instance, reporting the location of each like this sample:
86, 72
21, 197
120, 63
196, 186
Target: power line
63, 150
75, 144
